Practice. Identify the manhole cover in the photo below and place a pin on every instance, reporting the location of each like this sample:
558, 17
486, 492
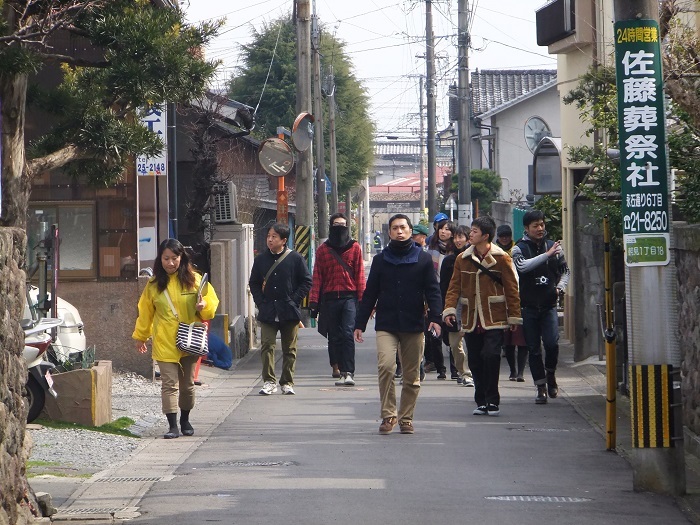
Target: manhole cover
540, 499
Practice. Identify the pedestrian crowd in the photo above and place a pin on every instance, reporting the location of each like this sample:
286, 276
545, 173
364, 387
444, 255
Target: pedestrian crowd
473, 290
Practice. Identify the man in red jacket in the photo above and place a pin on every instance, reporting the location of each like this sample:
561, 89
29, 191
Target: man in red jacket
338, 284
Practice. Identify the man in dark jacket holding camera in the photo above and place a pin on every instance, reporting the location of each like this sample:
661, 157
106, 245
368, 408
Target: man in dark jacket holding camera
279, 280
401, 281
544, 275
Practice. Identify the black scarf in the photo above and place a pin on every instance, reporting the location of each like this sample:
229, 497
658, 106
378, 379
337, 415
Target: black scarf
401, 247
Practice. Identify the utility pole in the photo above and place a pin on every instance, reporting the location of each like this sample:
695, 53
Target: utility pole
331, 138
320, 146
304, 178
430, 92
421, 147
657, 457
464, 166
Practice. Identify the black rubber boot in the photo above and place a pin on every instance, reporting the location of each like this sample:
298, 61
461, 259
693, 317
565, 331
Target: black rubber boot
509, 350
541, 398
552, 387
185, 426
522, 360
172, 423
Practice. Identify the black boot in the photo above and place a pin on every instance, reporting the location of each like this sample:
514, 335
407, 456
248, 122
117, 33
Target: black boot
522, 360
552, 387
541, 398
185, 426
172, 423
509, 350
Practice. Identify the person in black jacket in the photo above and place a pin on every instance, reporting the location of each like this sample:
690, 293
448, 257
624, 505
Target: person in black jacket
279, 280
544, 275
401, 281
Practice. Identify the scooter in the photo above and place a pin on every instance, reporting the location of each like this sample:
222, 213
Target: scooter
39, 380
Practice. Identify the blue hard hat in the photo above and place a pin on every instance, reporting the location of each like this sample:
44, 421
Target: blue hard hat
440, 217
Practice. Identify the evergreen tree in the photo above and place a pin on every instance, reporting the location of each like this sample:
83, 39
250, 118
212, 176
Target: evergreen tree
273, 49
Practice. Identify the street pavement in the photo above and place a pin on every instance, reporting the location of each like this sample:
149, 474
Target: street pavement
316, 458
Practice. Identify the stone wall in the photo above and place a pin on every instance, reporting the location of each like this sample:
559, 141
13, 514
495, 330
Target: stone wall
686, 239
16, 498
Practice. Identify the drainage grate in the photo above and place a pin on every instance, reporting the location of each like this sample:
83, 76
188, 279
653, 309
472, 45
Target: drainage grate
255, 464
540, 499
92, 511
128, 480
549, 429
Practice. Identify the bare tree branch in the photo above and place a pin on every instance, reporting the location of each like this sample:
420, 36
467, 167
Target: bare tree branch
74, 61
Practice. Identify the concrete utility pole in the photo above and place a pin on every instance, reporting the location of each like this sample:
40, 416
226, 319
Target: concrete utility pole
657, 457
464, 164
304, 179
421, 147
333, 152
430, 92
318, 134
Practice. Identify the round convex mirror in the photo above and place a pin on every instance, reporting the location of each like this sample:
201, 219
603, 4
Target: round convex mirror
276, 157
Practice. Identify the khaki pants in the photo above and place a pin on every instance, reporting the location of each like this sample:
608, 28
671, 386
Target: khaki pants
288, 336
460, 357
410, 349
177, 384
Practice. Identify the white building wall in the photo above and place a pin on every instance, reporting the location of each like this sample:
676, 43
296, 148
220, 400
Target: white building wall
512, 154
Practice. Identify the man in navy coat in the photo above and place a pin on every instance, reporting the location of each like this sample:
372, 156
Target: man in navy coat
401, 281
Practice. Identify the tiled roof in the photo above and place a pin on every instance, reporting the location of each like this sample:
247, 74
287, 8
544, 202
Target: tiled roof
494, 87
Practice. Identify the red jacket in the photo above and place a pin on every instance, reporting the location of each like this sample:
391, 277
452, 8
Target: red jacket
329, 276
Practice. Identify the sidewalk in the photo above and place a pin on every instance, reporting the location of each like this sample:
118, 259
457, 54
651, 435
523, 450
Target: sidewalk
545, 449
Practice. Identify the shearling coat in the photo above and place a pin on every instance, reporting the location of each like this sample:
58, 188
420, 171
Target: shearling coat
497, 306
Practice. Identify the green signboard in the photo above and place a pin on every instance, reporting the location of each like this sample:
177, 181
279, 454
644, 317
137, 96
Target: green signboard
641, 124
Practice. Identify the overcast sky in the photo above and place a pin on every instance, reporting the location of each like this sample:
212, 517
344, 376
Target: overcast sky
385, 40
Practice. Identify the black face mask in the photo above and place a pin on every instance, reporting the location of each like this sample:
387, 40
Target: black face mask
338, 236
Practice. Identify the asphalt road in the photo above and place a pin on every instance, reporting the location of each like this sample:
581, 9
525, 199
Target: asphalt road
316, 458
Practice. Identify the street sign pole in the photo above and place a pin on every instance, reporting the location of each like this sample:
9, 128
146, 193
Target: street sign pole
650, 283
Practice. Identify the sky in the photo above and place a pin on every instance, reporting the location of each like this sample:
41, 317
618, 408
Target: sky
385, 40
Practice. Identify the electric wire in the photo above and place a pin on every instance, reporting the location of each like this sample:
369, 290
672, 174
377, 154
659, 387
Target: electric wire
274, 51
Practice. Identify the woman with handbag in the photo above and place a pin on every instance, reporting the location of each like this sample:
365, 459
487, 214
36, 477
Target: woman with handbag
170, 299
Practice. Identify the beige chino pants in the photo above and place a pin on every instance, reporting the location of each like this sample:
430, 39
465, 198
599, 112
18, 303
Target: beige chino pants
410, 348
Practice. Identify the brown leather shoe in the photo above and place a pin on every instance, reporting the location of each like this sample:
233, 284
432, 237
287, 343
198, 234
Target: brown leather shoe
388, 424
406, 427
336, 371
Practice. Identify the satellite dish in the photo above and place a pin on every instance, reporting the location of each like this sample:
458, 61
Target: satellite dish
303, 131
276, 157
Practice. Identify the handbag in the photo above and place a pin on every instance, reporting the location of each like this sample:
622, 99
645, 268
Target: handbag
191, 338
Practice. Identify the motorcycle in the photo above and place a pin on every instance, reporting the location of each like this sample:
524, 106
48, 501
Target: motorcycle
39, 381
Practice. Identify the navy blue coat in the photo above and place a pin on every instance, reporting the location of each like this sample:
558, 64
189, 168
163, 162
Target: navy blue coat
399, 287
286, 287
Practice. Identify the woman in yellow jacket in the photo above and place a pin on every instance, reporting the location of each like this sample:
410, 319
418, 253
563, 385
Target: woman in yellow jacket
172, 272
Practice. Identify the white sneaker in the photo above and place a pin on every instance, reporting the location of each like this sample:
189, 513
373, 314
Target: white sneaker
268, 388
341, 380
467, 381
349, 380
287, 390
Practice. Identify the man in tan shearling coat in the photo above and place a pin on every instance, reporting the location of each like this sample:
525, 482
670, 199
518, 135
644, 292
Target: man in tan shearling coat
484, 282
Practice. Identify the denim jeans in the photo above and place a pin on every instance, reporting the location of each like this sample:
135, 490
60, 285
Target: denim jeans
340, 316
541, 325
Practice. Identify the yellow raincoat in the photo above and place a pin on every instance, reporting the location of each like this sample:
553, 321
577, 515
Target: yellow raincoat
156, 317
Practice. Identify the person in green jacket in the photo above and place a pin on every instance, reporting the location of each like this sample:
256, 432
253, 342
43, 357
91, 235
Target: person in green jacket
172, 272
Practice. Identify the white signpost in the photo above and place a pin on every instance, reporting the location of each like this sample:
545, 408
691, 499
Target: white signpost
155, 121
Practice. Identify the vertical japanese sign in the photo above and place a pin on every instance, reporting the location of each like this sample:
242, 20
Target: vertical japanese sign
154, 119
641, 123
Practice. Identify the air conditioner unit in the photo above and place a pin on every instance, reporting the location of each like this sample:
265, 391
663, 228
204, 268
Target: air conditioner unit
225, 197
